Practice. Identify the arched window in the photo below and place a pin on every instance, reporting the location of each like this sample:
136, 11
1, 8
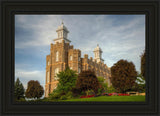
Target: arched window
57, 56
48, 62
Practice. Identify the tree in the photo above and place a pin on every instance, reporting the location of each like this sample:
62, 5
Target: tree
140, 83
103, 84
123, 75
143, 60
87, 80
34, 90
67, 81
18, 89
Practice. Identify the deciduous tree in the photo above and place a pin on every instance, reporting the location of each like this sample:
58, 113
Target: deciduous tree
34, 90
87, 80
123, 75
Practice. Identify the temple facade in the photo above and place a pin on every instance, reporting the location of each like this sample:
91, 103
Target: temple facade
63, 55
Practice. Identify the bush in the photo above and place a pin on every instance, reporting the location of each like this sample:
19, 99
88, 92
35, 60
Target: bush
64, 97
69, 95
55, 95
100, 91
77, 91
111, 89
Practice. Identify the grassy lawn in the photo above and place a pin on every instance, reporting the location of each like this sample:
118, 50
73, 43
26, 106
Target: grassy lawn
112, 98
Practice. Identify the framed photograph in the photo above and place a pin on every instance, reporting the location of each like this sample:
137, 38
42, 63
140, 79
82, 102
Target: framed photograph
80, 58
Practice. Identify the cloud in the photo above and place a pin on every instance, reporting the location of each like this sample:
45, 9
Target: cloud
40, 27
119, 36
26, 75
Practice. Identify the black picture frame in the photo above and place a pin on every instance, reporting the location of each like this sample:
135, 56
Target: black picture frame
148, 7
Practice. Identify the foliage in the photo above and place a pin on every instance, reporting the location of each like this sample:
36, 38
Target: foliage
77, 91
101, 79
140, 79
34, 90
67, 81
143, 60
18, 90
69, 95
123, 75
87, 80
103, 85
111, 89
140, 84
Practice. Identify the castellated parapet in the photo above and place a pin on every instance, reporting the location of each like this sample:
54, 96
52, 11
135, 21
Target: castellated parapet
63, 55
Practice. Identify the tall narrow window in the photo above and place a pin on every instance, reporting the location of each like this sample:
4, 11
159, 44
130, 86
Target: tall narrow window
70, 57
79, 59
56, 71
46, 92
57, 56
48, 77
61, 34
48, 62
58, 35
79, 70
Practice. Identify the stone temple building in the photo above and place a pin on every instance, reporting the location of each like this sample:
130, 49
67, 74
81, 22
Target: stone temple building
63, 55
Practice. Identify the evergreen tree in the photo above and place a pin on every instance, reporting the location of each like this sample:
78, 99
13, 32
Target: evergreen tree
34, 90
67, 81
18, 90
123, 75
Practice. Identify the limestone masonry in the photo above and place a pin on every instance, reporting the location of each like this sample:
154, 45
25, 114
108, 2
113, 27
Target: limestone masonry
63, 55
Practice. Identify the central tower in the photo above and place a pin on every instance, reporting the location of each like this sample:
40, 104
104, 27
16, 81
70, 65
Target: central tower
98, 54
62, 33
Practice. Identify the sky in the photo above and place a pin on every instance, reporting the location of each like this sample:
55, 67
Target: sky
119, 37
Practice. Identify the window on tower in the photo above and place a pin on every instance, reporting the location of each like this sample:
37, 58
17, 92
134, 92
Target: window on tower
61, 34
71, 57
57, 56
56, 71
79, 70
79, 59
48, 77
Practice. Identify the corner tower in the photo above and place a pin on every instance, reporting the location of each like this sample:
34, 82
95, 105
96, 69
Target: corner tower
57, 60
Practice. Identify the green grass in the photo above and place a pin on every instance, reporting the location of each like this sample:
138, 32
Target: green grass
112, 99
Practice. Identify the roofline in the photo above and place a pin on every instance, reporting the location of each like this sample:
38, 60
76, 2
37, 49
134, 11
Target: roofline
63, 39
